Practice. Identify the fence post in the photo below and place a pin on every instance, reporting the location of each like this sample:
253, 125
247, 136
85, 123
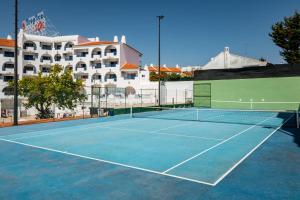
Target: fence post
141, 97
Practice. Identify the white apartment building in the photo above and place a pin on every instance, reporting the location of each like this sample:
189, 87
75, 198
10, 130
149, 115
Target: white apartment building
98, 63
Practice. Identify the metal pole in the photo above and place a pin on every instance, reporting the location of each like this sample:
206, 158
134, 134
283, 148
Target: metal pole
159, 19
16, 66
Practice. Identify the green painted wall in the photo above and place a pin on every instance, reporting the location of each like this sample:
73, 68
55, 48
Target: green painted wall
266, 93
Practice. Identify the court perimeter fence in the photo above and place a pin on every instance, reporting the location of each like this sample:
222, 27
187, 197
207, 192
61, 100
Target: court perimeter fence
100, 102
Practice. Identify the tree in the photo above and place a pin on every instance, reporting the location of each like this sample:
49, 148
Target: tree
57, 88
286, 35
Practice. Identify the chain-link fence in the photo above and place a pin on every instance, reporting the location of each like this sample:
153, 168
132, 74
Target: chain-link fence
101, 101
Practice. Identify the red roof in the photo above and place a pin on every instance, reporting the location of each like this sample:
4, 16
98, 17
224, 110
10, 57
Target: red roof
130, 66
164, 69
96, 43
7, 43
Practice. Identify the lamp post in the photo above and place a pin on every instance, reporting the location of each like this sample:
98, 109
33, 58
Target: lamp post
16, 66
159, 19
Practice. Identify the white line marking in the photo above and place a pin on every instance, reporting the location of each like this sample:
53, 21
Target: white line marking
110, 162
249, 153
214, 146
99, 124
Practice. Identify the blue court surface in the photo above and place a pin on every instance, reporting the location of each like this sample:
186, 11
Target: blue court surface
193, 149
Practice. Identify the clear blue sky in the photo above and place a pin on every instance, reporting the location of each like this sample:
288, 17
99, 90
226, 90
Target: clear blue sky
192, 32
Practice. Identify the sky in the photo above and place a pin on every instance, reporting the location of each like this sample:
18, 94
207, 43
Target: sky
192, 32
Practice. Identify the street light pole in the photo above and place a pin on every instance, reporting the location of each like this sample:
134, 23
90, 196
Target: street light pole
16, 66
159, 19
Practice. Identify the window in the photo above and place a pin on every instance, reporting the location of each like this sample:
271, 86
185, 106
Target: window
69, 58
28, 57
85, 76
8, 65
8, 78
57, 58
114, 51
9, 54
113, 64
97, 65
28, 45
45, 69
97, 77
82, 54
58, 47
129, 76
46, 47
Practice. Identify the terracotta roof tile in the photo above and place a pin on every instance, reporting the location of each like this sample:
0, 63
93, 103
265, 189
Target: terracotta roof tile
130, 66
7, 43
96, 43
164, 69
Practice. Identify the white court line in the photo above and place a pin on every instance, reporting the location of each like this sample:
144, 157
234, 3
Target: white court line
99, 124
249, 153
214, 146
110, 162
162, 133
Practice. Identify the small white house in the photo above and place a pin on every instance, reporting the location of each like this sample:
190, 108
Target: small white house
227, 60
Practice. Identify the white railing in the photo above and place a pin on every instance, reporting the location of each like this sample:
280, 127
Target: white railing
8, 70
31, 49
29, 73
96, 57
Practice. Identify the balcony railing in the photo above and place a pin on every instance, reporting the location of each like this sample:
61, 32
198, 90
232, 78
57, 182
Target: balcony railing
96, 57
28, 72
8, 70
30, 49
96, 81
81, 69
111, 65
46, 61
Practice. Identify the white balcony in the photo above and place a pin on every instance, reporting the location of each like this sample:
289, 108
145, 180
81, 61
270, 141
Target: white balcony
29, 62
112, 66
69, 49
96, 81
46, 62
8, 71
110, 80
7, 59
111, 56
96, 57
29, 73
81, 70
29, 49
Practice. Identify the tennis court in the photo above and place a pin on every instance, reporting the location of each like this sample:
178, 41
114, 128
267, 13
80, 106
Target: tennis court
197, 145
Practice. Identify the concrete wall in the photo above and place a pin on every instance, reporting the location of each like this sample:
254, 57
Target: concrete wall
258, 93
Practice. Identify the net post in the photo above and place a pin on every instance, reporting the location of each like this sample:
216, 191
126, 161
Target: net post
131, 114
297, 118
197, 114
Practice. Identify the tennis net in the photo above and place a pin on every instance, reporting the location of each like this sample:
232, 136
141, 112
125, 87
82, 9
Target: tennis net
268, 118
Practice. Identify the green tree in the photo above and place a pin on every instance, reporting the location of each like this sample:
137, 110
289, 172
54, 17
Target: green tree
174, 77
57, 88
286, 35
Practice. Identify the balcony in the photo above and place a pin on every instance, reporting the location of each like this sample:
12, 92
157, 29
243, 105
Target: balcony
46, 62
8, 54
28, 73
8, 71
29, 49
7, 59
96, 82
81, 69
96, 57
110, 56
112, 65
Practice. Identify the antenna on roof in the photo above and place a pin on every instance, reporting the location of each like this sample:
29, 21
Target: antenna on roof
39, 24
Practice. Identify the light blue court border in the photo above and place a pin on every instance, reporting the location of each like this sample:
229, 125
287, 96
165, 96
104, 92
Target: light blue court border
173, 171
